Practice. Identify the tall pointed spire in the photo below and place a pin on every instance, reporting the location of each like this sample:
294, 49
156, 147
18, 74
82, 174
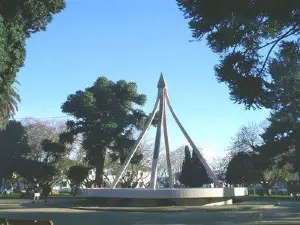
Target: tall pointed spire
161, 82
162, 101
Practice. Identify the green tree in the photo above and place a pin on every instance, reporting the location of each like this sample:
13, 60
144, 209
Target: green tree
37, 131
284, 129
119, 150
245, 34
13, 148
198, 174
48, 169
77, 174
258, 161
185, 175
102, 113
18, 20
193, 173
260, 56
9, 99
242, 170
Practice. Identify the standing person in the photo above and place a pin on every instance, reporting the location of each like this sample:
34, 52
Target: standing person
36, 193
46, 191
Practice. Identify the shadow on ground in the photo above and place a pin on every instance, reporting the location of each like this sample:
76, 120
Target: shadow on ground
287, 213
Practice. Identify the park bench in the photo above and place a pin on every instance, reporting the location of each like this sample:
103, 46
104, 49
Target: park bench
5, 221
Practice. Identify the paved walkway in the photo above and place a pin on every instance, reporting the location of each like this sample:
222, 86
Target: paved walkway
287, 213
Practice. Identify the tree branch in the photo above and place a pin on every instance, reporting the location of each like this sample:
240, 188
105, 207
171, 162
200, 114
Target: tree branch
288, 33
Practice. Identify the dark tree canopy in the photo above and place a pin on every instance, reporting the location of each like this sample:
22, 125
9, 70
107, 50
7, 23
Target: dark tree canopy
246, 34
77, 174
199, 173
283, 133
121, 147
106, 115
193, 173
18, 20
37, 131
259, 45
13, 148
185, 175
241, 170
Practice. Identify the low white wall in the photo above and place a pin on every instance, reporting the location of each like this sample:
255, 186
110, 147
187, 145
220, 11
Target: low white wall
165, 193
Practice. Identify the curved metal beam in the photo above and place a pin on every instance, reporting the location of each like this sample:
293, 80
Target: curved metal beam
157, 140
167, 145
136, 145
210, 174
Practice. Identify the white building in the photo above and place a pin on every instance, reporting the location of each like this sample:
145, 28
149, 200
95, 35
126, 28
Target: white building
142, 177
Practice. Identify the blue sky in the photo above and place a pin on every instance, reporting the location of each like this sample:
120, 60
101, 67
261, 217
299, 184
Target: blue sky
135, 41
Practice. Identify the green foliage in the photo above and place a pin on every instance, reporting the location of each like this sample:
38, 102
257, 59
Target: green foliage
243, 32
14, 141
13, 147
260, 57
37, 131
193, 173
9, 99
48, 155
199, 174
242, 170
105, 114
185, 175
121, 147
282, 135
77, 174
258, 161
18, 20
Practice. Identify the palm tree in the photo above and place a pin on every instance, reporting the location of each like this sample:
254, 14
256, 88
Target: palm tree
9, 99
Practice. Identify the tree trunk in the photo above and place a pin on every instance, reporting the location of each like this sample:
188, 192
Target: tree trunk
266, 188
99, 170
2, 184
297, 150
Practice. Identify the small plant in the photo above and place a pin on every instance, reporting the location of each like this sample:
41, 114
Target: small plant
259, 217
6, 222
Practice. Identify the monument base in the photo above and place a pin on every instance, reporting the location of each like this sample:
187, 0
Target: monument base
163, 197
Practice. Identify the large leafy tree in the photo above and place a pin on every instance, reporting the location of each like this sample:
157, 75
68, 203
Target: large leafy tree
246, 168
19, 19
284, 129
119, 150
103, 113
13, 148
39, 130
49, 168
259, 46
241, 170
258, 161
47, 154
245, 34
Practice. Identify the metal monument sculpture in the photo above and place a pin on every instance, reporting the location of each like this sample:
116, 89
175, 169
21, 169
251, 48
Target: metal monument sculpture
162, 101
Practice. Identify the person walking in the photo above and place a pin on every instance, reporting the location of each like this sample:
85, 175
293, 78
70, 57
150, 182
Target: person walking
36, 193
46, 191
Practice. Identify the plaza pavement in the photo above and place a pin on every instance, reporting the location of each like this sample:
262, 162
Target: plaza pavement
75, 211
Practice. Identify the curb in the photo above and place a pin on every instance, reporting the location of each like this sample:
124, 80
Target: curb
175, 209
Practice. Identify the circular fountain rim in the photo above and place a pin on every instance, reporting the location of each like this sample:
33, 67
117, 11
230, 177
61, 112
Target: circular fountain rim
165, 193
